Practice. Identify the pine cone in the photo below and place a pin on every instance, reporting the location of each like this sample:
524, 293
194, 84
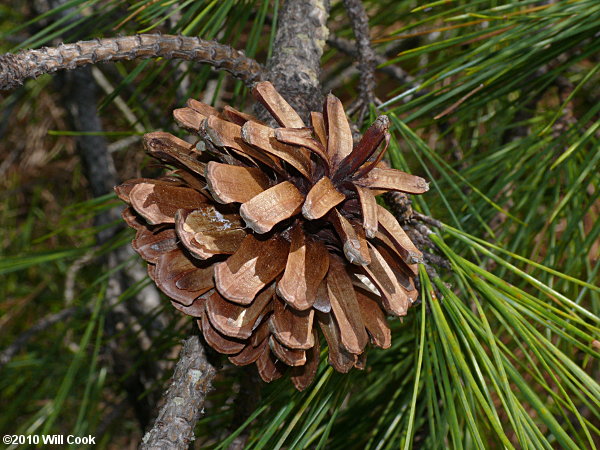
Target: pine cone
262, 233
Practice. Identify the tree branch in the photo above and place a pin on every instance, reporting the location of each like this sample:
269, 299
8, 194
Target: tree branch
366, 55
295, 65
79, 92
43, 324
184, 400
426, 219
349, 47
16, 68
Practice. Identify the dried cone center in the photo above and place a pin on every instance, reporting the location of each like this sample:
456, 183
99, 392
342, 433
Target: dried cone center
268, 235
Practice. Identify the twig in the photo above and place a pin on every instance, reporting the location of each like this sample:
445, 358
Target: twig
349, 47
16, 68
459, 102
79, 92
400, 205
72, 272
295, 64
43, 324
426, 219
184, 400
80, 95
436, 260
419, 237
123, 143
108, 89
366, 55
433, 273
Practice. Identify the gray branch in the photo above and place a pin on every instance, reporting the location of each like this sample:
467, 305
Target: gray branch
79, 92
46, 322
295, 65
366, 55
349, 47
16, 68
184, 400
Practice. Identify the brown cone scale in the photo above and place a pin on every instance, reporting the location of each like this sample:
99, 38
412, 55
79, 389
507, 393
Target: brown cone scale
265, 237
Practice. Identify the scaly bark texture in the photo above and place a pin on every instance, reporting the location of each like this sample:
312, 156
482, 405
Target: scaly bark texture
295, 65
184, 400
15, 69
366, 55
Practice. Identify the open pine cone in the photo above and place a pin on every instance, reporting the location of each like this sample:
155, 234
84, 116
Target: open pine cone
266, 234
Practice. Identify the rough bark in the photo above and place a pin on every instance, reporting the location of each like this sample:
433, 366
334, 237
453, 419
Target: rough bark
366, 55
294, 69
184, 400
295, 65
16, 68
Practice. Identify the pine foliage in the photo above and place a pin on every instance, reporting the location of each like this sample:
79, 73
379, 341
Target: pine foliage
498, 107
